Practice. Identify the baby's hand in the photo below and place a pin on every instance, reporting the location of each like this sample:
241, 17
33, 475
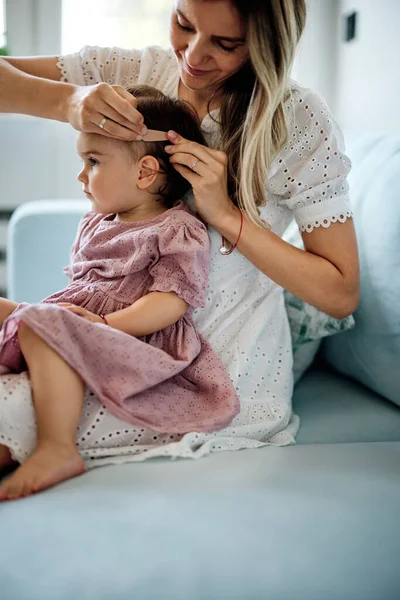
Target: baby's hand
82, 312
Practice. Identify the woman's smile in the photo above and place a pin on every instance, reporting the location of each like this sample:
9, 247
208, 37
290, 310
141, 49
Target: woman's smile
195, 72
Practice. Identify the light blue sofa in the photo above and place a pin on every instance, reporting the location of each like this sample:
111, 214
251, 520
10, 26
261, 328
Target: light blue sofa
315, 521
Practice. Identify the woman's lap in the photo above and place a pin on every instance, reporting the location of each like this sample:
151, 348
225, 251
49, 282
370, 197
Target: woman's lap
99, 432
103, 439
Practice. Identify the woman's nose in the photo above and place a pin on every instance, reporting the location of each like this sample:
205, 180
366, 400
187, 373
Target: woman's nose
196, 54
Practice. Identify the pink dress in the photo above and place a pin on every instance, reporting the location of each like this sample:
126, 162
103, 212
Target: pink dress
169, 381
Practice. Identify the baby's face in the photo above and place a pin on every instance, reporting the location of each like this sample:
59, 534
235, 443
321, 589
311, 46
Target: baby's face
108, 174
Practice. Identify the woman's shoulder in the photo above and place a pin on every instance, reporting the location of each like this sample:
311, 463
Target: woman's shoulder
153, 55
311, 124
308, 174
119, 66
306, 107
298, 93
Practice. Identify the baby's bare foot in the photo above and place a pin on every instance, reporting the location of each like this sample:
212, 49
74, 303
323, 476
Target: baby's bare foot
49, 464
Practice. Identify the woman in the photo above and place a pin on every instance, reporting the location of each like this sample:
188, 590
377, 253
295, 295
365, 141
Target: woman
275, 152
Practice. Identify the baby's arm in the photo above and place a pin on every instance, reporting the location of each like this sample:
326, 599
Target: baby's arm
153, 312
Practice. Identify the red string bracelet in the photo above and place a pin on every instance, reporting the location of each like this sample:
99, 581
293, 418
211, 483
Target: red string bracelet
104, 319
224, 250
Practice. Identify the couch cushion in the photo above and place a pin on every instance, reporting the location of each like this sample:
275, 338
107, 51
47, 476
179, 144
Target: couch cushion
335, 409
40, 235
304, 522
371, 351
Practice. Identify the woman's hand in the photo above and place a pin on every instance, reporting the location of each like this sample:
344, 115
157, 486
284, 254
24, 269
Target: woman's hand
206, 170
82, 312
88, 106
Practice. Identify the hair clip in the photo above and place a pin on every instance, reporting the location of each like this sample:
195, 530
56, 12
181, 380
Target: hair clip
154, 135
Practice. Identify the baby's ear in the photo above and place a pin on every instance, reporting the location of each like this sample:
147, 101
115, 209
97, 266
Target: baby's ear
148, 168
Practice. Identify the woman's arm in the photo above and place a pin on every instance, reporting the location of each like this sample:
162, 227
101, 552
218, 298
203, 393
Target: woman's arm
153, 312
325, 274
32, 86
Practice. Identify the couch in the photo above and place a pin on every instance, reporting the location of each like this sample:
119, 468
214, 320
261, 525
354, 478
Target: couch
319, 520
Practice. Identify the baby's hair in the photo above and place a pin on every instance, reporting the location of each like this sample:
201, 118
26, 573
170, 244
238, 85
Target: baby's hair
164, 113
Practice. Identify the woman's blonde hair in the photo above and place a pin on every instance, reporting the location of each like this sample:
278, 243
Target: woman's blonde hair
252, 117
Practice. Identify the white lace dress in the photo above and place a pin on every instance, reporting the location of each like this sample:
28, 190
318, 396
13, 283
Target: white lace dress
245, 317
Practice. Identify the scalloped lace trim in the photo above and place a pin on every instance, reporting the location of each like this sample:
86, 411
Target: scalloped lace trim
327, 221
61, 66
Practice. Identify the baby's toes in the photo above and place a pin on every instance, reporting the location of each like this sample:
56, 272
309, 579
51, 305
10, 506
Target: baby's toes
26, 488
3, 492
19, 485
11, 489
32, 481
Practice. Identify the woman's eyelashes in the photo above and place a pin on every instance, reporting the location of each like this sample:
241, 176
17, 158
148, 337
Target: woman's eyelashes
219, 44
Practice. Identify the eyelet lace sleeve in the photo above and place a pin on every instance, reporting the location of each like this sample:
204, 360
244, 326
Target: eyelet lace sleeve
310, 171
118, 66
93, 64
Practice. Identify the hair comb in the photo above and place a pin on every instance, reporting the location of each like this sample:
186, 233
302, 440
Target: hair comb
154, 135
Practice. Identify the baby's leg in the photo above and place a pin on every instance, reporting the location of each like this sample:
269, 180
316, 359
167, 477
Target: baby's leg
6, 308
58, 393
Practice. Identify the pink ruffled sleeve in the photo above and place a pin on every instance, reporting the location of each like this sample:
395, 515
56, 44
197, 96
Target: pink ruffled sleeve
183, 261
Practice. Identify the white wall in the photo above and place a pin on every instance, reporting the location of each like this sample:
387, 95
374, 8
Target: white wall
368, 77
33, 26
37, 160
360, 79
316, 62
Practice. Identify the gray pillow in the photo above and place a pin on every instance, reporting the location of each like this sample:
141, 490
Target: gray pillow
371, 352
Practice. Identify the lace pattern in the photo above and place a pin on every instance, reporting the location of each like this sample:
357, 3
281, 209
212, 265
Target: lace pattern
326, 222
309, 176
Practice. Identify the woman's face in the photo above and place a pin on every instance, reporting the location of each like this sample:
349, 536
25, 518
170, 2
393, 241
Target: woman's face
208, 39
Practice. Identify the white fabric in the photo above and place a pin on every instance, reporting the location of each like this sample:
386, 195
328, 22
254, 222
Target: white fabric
245, 317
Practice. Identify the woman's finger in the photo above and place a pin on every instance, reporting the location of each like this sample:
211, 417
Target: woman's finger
118, 107
180, 144
191, 162
113, 108
78, 310
192, 177
197, 150
67, 305
109, 112
111, 129
123, 102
